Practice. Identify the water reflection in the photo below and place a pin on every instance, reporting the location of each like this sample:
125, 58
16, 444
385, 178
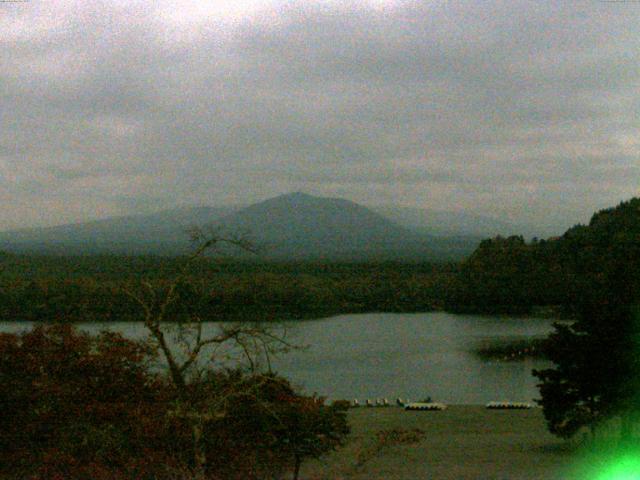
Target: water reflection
390, 355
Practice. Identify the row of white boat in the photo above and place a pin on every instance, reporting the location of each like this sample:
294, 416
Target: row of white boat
428, 405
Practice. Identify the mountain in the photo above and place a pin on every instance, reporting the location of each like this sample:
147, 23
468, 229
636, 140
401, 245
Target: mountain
301, 226
159, 233
293, 226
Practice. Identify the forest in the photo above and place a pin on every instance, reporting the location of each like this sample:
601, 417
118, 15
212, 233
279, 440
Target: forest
503, 275
509, 275
94, 288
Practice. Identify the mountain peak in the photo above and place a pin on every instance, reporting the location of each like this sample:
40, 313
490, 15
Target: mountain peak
306, 198
295, 196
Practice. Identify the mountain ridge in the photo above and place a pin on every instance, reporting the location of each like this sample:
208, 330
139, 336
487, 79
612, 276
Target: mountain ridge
292, 226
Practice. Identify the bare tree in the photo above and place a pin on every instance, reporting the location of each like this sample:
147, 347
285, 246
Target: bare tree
256, 342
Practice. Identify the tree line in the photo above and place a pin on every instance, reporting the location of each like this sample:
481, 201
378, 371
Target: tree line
85, 289
510, 275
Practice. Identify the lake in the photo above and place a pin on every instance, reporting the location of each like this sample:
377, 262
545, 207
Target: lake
397, 355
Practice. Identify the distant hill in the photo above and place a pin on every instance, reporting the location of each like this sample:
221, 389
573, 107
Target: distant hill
299, 226
293, 226
159, 233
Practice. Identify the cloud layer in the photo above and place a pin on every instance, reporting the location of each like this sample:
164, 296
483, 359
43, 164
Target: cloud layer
527, 110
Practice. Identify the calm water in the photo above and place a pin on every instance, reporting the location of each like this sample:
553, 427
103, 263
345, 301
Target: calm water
397, 355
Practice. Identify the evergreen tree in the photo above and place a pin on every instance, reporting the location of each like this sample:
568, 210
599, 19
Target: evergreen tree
597, 360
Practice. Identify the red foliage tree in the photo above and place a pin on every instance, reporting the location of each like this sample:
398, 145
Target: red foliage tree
78, 406
87, 407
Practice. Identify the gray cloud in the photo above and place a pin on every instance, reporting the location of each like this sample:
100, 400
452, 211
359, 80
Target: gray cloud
512, 108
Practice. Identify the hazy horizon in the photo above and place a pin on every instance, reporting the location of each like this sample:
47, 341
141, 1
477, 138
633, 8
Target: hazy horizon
439, 223
522, 111
390, 211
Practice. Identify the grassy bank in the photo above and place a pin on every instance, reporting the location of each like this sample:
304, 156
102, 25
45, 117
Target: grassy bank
462, 442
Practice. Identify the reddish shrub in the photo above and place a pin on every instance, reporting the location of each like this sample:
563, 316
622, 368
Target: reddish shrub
75, 405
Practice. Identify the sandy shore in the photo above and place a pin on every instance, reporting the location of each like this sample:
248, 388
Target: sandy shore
462, 442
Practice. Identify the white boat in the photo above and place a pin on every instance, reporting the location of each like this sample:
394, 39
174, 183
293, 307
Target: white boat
509, 405
425, 406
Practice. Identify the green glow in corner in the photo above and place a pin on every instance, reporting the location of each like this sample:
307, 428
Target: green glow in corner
626, 467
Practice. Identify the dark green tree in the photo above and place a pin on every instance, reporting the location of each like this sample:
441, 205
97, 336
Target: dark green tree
597, 360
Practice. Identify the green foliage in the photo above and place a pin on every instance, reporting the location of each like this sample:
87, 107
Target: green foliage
77, 289
593, 274
511, 276
597, 362
495, 277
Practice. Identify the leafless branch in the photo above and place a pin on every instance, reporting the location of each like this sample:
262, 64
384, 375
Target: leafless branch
252, 340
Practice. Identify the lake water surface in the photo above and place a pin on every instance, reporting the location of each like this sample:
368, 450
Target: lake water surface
396, 355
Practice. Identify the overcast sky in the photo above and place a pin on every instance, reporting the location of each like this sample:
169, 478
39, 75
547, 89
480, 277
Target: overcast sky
526, 110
